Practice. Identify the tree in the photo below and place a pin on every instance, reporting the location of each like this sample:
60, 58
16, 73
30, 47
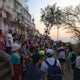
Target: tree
71, 20
50, 16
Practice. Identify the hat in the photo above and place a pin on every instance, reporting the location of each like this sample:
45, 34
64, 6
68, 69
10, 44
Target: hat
10, 31
41, 52
49, 52
15, 47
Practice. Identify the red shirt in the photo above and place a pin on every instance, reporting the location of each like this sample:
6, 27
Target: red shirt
2, 43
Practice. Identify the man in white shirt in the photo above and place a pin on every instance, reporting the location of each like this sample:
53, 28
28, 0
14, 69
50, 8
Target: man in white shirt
50, 60
9, 41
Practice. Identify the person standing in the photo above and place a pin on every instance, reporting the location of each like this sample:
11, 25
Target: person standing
76, 74
15, 62
62, 58
33, 71
70, 59
50, 60
3, 54
9, 41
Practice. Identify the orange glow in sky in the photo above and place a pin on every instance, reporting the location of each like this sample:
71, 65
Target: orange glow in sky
34, 9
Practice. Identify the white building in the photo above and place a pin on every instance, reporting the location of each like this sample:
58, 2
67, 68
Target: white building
15, 15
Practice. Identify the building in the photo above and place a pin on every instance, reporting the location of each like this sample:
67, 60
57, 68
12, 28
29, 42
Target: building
14, 15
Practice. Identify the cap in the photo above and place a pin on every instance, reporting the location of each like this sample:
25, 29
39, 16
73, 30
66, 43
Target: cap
49, 52
15, 47
10, 30
41, 52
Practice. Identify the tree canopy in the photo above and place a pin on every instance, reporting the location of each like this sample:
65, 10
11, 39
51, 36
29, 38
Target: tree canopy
68, 17
51, 15
71, 20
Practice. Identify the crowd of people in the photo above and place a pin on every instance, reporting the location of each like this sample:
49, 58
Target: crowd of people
33, 57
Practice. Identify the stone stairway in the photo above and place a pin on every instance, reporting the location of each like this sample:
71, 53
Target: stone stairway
4, 70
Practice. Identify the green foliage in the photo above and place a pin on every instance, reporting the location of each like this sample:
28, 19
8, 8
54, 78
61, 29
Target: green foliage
69, 18
50, 16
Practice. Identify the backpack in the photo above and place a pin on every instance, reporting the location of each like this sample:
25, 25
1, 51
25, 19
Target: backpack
54, 71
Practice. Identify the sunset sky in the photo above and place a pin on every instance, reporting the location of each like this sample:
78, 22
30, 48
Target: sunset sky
34, 10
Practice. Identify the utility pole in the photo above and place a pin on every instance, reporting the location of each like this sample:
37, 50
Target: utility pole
57, 33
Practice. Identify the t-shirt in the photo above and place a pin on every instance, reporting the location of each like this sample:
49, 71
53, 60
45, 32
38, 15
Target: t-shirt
54, 44
32, 49
44, 66
24, 50
78, 62
70, 55
15, 58
33, 72
62, 55
9, 37
2, 47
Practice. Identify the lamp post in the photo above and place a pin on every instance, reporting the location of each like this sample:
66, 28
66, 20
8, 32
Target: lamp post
57, 33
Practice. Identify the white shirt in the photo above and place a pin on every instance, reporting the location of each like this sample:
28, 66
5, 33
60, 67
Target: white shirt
62, 54
9, 37
44, 66
78, 62
54, 44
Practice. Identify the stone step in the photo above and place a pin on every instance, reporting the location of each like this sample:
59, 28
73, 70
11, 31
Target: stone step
8, 77
4, 65
1, 59
4, 72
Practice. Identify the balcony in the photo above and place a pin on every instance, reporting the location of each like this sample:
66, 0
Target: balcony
18, 7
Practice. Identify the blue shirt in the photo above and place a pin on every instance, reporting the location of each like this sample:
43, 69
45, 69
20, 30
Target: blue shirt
24, 50
15, 58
